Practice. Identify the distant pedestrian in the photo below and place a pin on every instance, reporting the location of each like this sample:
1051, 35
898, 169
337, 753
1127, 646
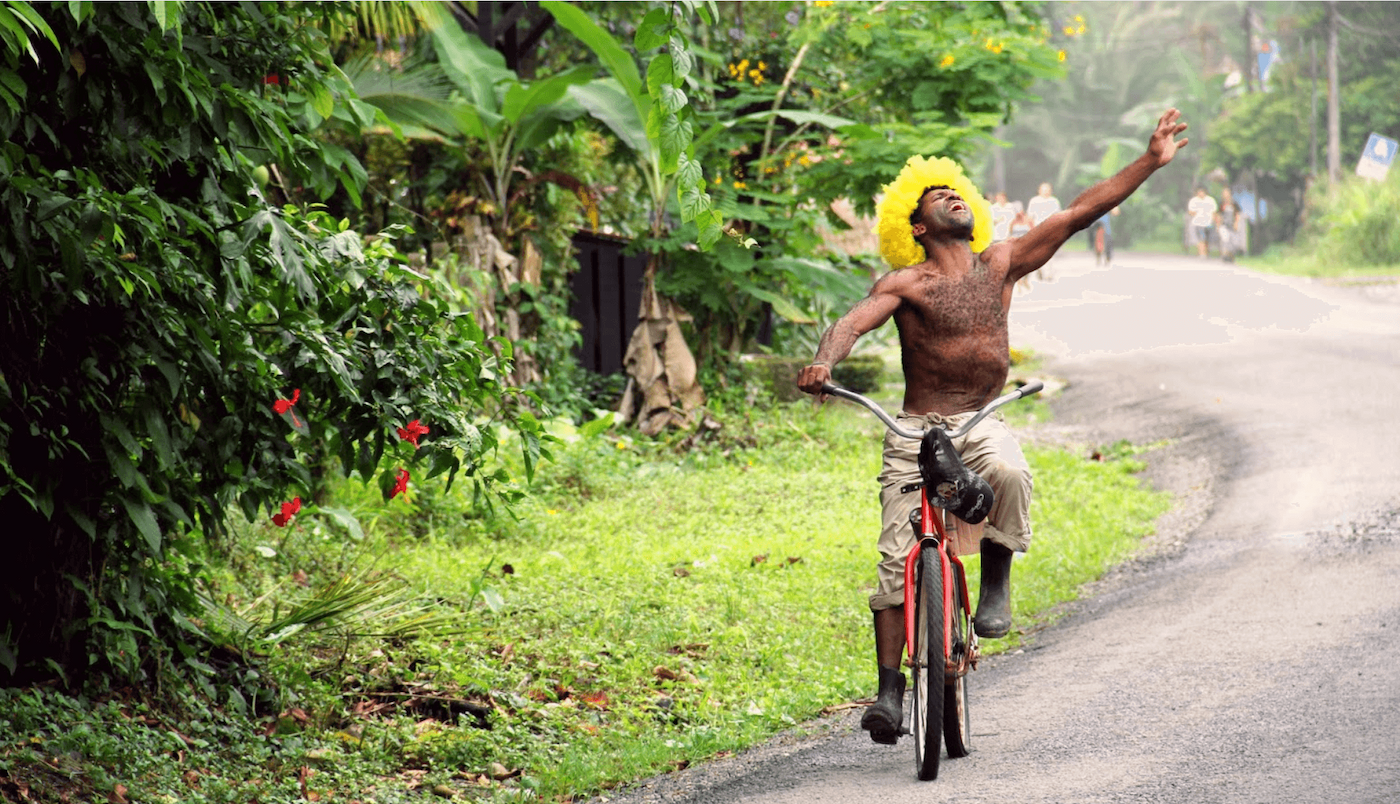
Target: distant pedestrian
1228, 223
1021, 224
1043, 205
1202, 209
1002, 215
1101, 237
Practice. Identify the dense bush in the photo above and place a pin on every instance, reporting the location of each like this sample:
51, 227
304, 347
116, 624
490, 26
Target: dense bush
176, 345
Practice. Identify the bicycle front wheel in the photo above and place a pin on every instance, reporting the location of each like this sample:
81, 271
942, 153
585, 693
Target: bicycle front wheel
957, 726
928, 657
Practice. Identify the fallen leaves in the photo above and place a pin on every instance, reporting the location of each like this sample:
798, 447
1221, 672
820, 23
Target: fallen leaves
682, 675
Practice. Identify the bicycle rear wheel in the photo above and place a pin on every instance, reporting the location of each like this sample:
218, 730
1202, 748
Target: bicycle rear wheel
929, 663
957, 726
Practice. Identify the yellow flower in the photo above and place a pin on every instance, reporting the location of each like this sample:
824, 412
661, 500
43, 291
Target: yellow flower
739, 185
551, 512
947, 61
762, 66
824, 3
622, 445
1060, 55
743, 65
1069, 31
804, 160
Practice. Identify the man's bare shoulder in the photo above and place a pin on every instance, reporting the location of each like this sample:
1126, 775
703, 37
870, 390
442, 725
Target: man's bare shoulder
898, 282
997, 256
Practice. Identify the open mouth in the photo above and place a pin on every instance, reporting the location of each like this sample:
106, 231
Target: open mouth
957, 206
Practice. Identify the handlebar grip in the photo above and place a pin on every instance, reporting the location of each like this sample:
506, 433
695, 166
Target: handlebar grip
1030, 388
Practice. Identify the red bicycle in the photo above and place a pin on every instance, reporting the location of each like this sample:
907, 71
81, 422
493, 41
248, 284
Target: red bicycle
938, 629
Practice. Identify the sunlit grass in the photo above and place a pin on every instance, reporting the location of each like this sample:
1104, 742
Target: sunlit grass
646, 608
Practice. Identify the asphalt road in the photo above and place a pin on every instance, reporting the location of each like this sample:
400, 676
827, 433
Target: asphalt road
1252, 656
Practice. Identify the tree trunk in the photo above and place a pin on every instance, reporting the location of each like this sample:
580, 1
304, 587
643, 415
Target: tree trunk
493, 272
662, 390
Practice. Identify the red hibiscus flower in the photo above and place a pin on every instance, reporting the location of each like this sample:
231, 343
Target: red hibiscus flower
289, 510
412, 432
283, 405
400, 483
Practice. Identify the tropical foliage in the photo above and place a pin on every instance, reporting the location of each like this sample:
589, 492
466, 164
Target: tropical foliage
178, 348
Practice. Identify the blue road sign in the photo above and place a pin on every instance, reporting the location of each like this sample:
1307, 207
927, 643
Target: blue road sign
1376, 158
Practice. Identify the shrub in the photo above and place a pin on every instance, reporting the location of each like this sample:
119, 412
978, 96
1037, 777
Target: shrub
1359, 222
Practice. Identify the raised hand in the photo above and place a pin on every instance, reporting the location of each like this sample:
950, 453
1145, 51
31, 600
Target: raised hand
1163, 145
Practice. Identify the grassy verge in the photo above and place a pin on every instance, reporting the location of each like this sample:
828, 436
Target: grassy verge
646, 608
1289, 261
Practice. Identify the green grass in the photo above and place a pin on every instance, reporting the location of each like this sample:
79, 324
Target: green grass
645, 609
1288, 261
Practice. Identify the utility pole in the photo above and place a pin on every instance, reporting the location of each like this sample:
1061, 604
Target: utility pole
1334, 114
1249, 60
1312, 118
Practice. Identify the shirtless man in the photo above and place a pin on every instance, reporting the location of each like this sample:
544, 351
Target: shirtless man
951, 311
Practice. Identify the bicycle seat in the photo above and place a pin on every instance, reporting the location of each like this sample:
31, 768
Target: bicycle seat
951, 485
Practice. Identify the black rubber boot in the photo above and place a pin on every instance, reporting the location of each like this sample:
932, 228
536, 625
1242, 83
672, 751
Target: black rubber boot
884, 718
993, 619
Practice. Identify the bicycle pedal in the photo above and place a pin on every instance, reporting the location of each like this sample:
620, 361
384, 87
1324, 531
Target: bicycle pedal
886, 737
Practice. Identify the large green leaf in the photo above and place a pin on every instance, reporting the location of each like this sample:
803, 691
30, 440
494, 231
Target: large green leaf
475, 68
474, 122
843, 124
522, 100
781, 305
416, 98
654, 31
607, 101
145, 520
615, 58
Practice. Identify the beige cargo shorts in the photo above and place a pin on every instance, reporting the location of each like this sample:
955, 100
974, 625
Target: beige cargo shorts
991, 451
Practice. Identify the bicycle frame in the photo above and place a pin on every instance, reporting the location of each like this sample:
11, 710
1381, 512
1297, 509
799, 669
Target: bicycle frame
934, 534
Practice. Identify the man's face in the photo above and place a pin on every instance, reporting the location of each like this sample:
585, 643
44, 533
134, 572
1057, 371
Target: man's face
1045, 190
1001, 198
946, 211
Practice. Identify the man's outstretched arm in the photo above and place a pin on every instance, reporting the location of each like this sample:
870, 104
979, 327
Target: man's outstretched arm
1038, 245
836, 342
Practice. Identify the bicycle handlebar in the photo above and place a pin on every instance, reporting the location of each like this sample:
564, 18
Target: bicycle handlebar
1032, 387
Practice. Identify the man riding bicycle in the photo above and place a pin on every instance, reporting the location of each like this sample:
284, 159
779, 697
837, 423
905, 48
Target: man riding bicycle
950, 293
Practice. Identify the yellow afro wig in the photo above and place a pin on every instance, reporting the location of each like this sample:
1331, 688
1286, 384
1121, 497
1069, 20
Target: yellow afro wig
897, 243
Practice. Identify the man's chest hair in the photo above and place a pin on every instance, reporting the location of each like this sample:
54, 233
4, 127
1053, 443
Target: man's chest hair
968, 301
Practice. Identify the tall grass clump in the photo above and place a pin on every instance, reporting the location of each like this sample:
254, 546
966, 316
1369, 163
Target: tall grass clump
1356, 223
